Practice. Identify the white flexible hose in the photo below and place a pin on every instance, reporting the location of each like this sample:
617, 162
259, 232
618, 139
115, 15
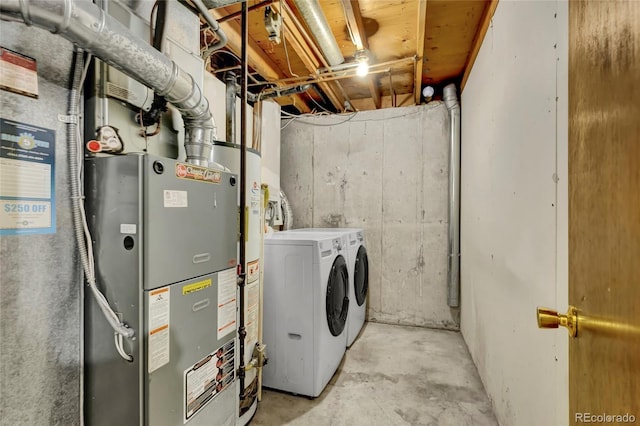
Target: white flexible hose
287, 220
81, 230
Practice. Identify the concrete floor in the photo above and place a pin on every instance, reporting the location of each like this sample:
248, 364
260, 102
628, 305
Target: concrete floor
392, 375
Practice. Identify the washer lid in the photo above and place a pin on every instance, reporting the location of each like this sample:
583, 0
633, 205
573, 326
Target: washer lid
337, 301
361, 276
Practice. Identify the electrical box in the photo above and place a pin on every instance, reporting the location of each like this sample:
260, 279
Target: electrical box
165, 237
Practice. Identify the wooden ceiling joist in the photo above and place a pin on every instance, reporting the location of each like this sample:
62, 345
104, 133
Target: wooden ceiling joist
258, 58
444, 36
354, 20
294, 35
420, 34
477, 41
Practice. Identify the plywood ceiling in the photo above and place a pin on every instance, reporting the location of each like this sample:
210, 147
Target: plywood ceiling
424, 42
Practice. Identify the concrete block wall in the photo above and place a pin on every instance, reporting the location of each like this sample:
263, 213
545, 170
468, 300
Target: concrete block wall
385, 171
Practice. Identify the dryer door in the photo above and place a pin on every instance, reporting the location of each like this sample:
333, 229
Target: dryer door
337, 296
361, 276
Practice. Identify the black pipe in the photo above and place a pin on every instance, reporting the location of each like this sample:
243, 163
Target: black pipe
252, 8
243, 177
159, 105
161, 17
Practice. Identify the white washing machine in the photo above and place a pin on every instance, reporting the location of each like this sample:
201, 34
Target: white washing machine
358, 268
306, 284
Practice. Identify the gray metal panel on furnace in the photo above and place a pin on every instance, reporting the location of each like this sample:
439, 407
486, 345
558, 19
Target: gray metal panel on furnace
113, 389
191, 234
193, 319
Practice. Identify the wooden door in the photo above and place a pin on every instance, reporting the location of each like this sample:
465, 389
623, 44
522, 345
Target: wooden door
604, 209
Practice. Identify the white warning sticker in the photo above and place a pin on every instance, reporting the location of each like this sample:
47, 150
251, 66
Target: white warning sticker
175, 198
128, 228
253, 271
204, 380
159, 304
255, 205
252, 297
226, 302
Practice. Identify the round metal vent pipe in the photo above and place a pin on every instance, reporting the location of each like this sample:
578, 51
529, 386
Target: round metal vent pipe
214, 4
317, 23
453, 271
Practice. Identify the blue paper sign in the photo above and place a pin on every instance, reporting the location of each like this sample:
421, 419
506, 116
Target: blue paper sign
27, 179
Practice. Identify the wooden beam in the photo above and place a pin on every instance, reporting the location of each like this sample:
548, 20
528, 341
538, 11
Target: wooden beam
420, 34
258, 59
354, 18
478, 39
375, 91
297, 41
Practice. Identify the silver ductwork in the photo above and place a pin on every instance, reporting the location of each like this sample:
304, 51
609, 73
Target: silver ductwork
89, 27
214, 4
317, 23
287, 212
215, 27
453, 271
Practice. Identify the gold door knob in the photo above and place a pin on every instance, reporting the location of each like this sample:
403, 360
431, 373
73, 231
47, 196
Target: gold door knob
549, 318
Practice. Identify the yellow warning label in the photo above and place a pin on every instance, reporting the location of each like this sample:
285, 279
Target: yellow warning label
192, 288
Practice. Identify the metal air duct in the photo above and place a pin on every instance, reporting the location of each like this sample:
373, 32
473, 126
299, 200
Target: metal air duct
215, 27
453, 270
214, 4
85, 24
317, 23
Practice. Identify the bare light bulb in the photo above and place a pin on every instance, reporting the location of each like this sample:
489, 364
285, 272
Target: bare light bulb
363, 69
428, 92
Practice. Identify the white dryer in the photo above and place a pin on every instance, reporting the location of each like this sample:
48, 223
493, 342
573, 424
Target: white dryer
360, 284
306, 284
358, 268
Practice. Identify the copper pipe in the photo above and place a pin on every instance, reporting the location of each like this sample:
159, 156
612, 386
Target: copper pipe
311, 78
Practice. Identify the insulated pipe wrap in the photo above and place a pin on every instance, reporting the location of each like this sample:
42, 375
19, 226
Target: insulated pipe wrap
450, 97
88, 26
